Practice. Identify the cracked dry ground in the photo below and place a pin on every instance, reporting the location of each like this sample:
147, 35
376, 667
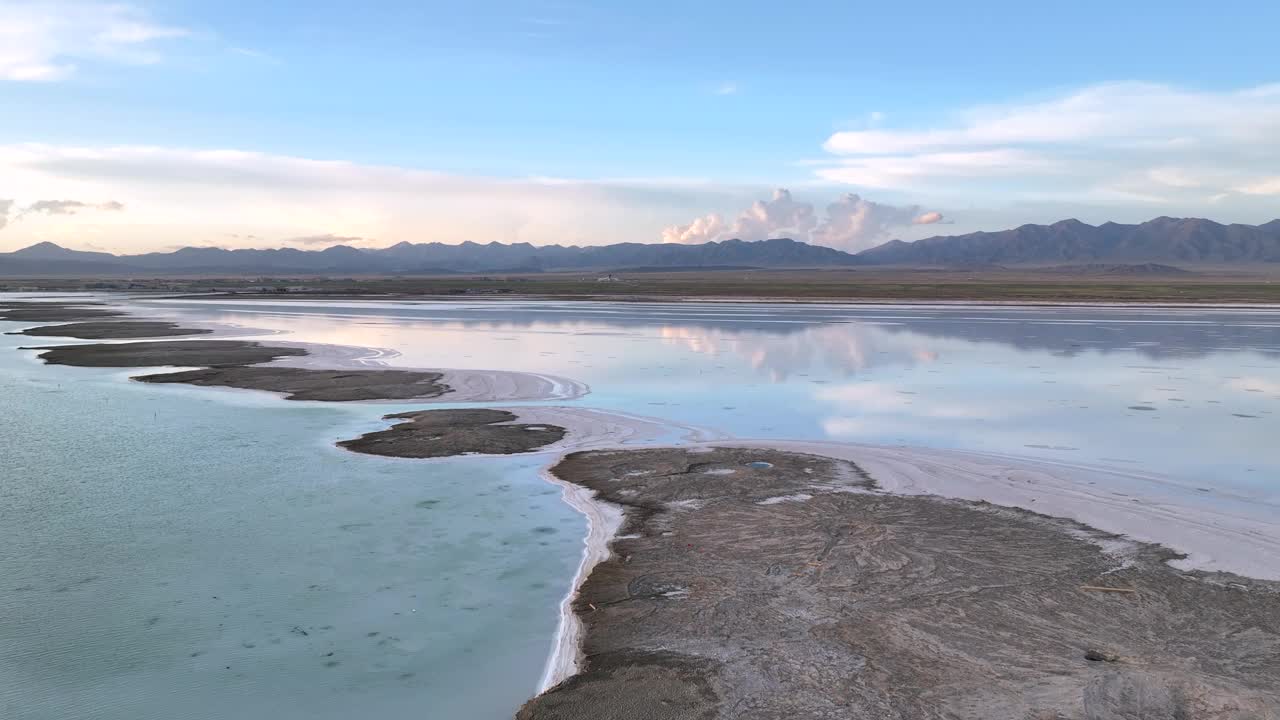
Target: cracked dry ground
832, 600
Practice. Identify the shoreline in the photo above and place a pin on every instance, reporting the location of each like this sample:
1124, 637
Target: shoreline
603, 522
246, 299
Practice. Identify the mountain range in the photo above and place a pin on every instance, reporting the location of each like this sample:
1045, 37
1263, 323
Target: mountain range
1178, 241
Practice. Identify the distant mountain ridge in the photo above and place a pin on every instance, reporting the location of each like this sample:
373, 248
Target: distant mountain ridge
1165, 240
1162, 240
467, 257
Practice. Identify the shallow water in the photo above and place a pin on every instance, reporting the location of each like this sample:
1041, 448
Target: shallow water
1186, 394
175, 553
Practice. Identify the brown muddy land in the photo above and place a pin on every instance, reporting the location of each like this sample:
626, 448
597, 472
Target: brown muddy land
53, 312
445, 433
766, 585
236, 364
1251, 284
196, 353
120, 330
314, 384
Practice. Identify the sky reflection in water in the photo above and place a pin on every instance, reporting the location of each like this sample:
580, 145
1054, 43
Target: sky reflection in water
1188, 394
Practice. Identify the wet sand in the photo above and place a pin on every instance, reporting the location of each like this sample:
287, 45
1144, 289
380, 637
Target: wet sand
446, 433
755, 583
119, 330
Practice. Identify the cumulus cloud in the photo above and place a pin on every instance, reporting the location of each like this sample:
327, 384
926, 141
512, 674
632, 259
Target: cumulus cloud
704, 229
5, 206
779, 216
774, 217
1111, 144
44, 41
852, 223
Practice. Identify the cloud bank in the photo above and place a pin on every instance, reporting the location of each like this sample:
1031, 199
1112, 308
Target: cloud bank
237, 198
45, 41
852, 223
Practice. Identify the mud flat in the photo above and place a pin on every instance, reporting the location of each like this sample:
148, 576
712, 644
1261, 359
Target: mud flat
313, 384
120, 330
182, 353
296, 375
504, 431
445, 433
767, 584
1241, 536
53, 312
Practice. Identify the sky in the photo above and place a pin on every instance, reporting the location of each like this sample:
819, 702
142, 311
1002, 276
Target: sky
143, 126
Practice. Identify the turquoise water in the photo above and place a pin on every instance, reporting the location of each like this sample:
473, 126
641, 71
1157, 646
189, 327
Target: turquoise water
177, 553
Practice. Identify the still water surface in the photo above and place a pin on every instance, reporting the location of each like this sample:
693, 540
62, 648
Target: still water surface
175, 552
193, 555
1188, 394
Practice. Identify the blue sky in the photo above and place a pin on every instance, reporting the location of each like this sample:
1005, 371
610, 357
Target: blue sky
170, 123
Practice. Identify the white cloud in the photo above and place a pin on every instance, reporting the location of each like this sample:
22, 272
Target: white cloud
68, 207
1122, 113
1173, 177
704, 229
852, 223
779, 216
1265, 186
45, 41
5, 205
910, 171
1112, 144
728, 88
187, 196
